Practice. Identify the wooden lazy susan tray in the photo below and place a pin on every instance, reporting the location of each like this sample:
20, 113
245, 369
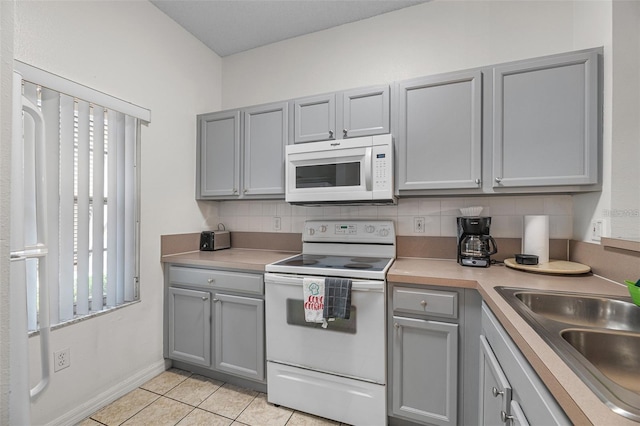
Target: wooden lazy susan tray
560, 267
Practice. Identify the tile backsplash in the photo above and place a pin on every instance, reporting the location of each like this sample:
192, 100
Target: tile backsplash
439, 214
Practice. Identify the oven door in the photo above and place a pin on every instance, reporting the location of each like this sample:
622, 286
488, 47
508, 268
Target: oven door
352, 348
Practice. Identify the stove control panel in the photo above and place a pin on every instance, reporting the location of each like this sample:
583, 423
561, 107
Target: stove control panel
354, 230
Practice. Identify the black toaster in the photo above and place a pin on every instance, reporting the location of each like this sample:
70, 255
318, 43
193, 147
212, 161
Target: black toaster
215, 240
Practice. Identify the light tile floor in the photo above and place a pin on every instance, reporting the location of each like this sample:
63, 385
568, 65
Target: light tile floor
177, 397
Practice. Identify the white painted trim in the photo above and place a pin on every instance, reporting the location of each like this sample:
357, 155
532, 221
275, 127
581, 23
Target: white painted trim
105, 398
71, 88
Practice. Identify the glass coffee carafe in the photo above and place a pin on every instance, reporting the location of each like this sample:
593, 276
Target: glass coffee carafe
480, 246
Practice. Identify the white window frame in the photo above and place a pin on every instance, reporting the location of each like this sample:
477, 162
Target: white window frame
92, 97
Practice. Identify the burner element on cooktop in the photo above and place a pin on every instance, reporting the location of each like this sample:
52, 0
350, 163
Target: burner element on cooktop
314, 256
301, 262
358, 265
366, 259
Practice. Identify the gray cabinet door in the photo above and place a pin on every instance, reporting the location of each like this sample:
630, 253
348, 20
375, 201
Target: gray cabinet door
314, 118
440, 132
189, 326
218, 165
495, 390
365, 112
425, 370
517, 417
265, 137
545, 122
239, 335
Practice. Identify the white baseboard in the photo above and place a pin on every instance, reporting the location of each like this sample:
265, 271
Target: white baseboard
107, 397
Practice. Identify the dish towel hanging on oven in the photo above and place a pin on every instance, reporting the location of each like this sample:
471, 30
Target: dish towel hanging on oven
313, 292
337, 298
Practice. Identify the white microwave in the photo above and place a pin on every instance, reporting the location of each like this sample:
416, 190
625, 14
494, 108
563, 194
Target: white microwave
343, 171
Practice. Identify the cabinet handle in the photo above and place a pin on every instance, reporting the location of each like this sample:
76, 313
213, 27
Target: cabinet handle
344, 133
505, 417
496, 392
245, 190
423, 303
330, 134
478, 181
211, 280
205, 298
498, 179
396, 325
235, 191
216, 300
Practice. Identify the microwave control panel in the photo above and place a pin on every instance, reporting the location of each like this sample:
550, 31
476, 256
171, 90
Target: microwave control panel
382, 173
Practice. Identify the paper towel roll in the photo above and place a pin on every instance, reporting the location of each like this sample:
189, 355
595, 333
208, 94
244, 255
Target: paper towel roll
535, 238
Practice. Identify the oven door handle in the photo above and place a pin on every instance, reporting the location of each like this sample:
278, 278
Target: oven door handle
296, 280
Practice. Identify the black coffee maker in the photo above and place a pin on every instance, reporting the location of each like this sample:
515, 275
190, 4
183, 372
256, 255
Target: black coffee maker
475, 245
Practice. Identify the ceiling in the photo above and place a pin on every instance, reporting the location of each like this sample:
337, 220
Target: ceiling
233, 26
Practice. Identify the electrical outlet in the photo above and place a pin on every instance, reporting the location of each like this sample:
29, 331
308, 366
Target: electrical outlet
595, 231
61, 359
418, 224
277, 225
598, 229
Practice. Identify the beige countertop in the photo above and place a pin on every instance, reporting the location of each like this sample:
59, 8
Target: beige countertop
579, 402
233, 258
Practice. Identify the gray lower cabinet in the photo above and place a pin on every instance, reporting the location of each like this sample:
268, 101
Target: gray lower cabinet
215, 319
425, 370
189, 333
545, 121
352, 113
241, 152
440, 132
239, 335
511, 393
432, 352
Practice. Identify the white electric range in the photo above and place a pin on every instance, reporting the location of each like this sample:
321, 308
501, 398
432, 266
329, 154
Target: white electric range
338, 372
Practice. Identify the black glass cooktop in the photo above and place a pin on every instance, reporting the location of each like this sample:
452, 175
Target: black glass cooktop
336, 262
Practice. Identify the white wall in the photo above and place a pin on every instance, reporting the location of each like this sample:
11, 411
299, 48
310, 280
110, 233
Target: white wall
431, 38
624, 216
132, 51
6, 111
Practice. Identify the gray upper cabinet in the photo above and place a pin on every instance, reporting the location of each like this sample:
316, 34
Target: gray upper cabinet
265, 138
440, 132
218, 165
545, 121
365, 112
315, 118
241, 152
352, 113
519, 127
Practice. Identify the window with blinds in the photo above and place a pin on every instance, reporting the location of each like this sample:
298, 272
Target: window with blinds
92, 199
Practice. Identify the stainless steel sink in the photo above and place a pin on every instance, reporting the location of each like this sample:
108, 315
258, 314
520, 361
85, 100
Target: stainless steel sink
581, 310
616, 355
597, 336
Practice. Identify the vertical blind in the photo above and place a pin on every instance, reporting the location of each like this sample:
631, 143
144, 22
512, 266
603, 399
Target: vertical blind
92, 198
